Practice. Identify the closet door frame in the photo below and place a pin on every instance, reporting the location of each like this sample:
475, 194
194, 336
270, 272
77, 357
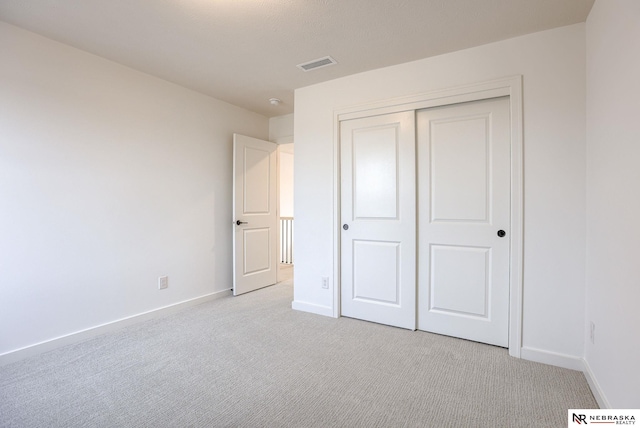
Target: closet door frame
511, 87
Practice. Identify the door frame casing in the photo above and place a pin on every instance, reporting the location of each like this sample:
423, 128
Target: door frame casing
509, 86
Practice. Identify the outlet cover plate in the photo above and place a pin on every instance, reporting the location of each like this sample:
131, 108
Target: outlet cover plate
325, 282
163, 282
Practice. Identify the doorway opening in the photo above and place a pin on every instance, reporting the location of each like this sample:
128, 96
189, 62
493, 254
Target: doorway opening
286, 220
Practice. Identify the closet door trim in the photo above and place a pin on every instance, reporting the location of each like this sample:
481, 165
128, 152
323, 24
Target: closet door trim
511, 87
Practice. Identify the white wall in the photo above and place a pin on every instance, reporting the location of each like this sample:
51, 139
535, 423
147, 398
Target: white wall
552, 63
613, 199
281, 129
109, 178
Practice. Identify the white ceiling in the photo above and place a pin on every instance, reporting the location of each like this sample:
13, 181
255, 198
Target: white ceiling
246, 51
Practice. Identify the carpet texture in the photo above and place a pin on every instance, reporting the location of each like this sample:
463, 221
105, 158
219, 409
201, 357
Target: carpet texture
252, 361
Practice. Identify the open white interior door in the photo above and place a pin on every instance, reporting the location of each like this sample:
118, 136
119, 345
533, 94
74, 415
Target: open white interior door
255, 214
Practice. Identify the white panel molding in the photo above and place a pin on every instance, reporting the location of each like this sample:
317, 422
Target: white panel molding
92, 332
508, 86
312, 308
596, 389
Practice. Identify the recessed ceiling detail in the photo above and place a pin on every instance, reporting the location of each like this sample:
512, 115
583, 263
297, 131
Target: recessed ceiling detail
317, 63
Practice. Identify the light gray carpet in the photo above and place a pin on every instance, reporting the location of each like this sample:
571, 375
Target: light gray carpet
252, 361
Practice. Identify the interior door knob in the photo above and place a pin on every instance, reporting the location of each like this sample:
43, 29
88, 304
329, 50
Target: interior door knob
501, 233
238, 222
345, 226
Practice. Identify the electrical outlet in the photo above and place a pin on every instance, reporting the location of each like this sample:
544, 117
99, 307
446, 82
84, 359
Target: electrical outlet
163, 282
325, 282
592, 332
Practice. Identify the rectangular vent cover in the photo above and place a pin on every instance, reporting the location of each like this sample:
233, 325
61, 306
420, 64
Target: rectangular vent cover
317, 63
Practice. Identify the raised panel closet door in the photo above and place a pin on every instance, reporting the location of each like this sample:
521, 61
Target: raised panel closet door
463, 192
378, 213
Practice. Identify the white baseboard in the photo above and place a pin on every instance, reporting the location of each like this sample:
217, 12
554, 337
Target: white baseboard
313, 308
596, 390
568, 362
552, 358
89, 333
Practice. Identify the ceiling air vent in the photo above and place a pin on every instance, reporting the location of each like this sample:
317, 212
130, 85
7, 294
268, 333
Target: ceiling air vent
317, 63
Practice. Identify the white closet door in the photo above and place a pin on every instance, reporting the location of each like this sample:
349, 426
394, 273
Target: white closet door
378, 212
463, 238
